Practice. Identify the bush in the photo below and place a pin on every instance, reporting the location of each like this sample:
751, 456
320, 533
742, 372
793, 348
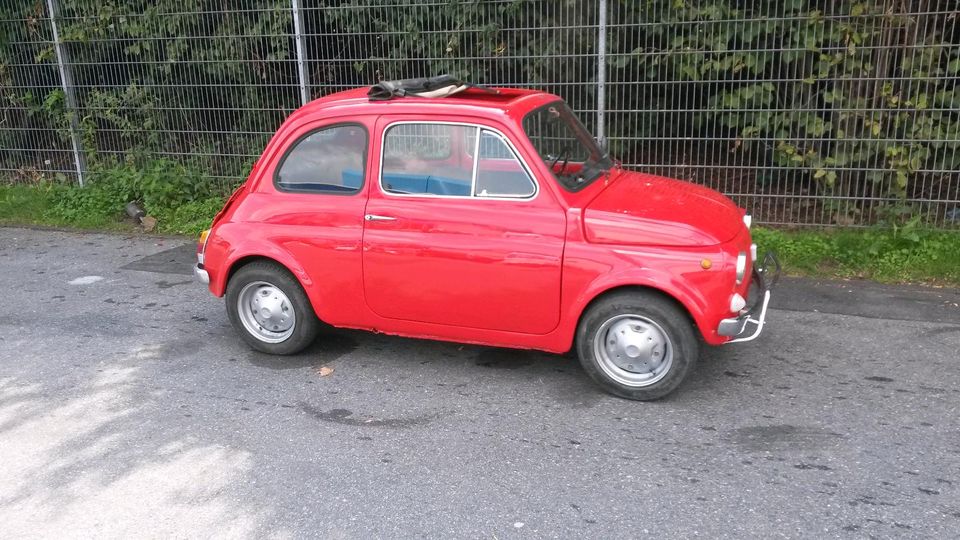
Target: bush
896, 254
183, 201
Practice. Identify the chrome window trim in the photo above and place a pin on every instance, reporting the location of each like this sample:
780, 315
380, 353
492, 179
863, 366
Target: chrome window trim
476, 160
491, 158
476, 163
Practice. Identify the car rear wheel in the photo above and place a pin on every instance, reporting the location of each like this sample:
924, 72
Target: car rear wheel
267, 305
637, 345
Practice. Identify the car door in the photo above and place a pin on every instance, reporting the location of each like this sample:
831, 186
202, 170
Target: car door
455, 240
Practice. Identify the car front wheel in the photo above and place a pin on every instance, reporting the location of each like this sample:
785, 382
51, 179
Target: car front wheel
268, 307
637, 344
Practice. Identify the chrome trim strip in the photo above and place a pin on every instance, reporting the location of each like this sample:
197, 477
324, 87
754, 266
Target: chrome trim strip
201, 275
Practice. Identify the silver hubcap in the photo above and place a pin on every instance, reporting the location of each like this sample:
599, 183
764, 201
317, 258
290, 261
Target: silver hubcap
266, 312
633, 350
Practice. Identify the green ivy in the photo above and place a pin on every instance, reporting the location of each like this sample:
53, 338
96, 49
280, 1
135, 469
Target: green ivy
880, 109
866, 125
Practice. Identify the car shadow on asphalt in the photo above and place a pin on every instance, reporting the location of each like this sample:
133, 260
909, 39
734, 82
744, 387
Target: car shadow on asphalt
562, 373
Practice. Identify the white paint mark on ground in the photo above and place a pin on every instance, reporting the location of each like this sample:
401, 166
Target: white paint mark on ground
85, 280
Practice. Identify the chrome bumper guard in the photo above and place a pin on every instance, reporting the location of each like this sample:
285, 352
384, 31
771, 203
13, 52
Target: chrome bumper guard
765, 277
201, 274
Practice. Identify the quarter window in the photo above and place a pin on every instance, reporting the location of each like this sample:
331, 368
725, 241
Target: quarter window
329, 160
440, 160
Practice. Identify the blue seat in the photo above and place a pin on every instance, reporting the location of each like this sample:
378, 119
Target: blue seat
422, 183
352, 179
437, 185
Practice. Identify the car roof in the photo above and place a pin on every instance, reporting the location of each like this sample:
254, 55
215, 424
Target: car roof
511, 101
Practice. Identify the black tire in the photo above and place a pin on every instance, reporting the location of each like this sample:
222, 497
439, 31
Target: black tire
670, 320
306, 324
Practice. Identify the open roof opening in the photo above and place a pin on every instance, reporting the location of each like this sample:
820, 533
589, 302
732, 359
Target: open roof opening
440, 86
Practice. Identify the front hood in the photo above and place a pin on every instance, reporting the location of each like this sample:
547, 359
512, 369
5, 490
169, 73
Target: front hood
647, 210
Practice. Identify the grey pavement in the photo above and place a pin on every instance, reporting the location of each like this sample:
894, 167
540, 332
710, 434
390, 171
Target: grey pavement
129, 407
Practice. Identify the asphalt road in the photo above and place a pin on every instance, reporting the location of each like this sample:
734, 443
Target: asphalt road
129, 407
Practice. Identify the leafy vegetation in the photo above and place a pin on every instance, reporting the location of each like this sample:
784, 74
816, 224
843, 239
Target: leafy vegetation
902, 254
182, 201
844, 99
857, 97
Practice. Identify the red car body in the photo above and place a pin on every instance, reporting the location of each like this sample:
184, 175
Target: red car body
511, 273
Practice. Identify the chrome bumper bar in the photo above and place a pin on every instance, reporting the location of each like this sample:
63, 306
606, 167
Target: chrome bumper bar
201, 274
748, 325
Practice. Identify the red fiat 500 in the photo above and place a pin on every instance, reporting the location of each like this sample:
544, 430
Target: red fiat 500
482, 217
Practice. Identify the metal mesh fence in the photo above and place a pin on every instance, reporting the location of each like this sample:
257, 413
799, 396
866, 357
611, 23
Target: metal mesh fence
807, 112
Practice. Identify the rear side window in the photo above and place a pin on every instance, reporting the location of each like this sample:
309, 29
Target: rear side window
328, 160
438, 159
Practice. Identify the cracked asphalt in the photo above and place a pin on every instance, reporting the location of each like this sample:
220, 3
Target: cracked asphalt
129, 408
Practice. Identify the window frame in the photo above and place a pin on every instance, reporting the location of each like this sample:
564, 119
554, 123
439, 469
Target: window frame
581, 133
308, 134
476, 163
469, 148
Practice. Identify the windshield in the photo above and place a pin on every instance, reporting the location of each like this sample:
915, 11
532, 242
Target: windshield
565, 145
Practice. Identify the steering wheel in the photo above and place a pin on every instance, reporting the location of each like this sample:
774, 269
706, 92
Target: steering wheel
565, 154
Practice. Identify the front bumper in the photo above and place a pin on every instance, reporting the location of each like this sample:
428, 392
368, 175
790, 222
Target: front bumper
748, 325
201, 274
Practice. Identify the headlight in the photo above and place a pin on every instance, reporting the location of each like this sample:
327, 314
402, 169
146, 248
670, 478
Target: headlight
753, 252
747, 220
741, 267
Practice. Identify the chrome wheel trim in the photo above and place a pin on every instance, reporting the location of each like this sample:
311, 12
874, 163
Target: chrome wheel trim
266, 312
633, 350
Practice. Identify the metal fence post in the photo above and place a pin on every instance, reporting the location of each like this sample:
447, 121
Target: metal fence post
301, 63
602, 72
66, 82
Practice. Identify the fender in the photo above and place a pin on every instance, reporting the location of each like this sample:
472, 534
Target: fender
675, 286
228, 249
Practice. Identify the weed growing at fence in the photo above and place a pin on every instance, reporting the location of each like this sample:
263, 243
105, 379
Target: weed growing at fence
809, 112
182, 200
901, 254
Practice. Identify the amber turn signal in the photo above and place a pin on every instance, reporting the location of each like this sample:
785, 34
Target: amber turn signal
706, 264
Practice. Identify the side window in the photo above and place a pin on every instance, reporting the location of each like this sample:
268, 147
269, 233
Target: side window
419, 159
439, 160
329, 160
499, 172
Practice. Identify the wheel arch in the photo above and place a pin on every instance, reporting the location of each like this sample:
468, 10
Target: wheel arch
284, 261
628, 288
688, 302
236, 265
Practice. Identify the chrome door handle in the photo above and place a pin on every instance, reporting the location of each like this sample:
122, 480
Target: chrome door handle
374, 217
